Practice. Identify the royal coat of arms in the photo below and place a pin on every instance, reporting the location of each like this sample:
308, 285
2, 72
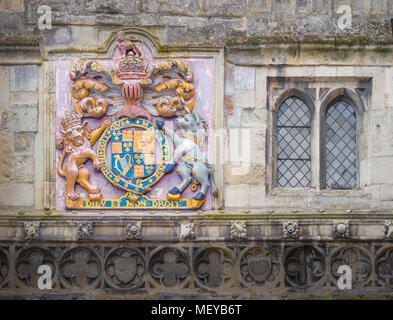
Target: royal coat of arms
129, 157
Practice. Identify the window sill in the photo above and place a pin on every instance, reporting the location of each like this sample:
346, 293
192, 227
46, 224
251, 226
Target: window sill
279, 192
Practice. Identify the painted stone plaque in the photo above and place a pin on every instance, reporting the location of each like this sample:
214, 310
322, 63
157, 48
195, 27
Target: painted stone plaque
132, 131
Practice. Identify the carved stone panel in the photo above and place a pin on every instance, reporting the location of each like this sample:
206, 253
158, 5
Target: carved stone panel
169, 267
125, 269
214, 267
27, 264
80, 268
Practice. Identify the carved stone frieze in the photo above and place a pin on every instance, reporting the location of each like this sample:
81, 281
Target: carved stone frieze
388, 229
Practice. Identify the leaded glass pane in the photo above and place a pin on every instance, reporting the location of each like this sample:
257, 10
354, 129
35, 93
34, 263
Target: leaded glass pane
293, 144
341, 146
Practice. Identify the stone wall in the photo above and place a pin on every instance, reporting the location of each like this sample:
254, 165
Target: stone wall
263, 50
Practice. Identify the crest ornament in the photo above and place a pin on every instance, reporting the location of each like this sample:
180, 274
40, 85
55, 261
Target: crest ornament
32, 230
127, 99
341, 229
290, 229
134, 230
238, 230
85, 230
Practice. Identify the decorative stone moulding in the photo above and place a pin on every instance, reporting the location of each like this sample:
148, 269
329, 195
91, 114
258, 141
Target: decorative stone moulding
134, 230
238, 230
85, 230
32, 230
388, 229
341, 229
187, 230
290, 229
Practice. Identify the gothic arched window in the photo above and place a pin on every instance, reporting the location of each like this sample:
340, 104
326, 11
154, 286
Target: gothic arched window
293, 144
341, 146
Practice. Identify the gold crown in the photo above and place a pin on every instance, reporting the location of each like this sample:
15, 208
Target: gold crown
71, 120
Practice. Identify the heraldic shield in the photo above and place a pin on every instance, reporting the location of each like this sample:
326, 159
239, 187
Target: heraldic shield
133, 153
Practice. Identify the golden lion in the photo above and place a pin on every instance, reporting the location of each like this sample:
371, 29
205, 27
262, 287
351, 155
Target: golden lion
77, 142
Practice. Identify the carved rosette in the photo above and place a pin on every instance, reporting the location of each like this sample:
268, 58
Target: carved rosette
290, 229
259, 266
125, 269
169, 267
80, 268
213, 267
134, 230
27, 264
85, 230
187, 230
341, 229
388, 229
32, 230
238, 230
384, 266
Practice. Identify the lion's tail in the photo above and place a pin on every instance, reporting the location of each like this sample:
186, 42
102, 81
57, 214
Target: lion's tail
60, 164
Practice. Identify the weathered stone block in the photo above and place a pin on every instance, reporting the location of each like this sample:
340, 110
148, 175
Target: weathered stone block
258, 146
24, 78
23, 167
26, 98
16, 194
251, 174
173, 6
20, 119
237, 196
225, 8
378, 6
24, 142
4, 86
255, 118
111, 6
320, 6
244, 78
257, 195
244, 98
6, 153
12, 5
258, 5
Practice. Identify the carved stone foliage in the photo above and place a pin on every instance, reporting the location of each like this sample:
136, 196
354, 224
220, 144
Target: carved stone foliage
341, 229
125, 269
290, 229
31, 230
187, 230
388, 229
27, 265
384, 266
213, 267
355, 257
238, 230
4, 267
85, 230
169, 267
134, 230
259, 265
304, 265
80, 267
